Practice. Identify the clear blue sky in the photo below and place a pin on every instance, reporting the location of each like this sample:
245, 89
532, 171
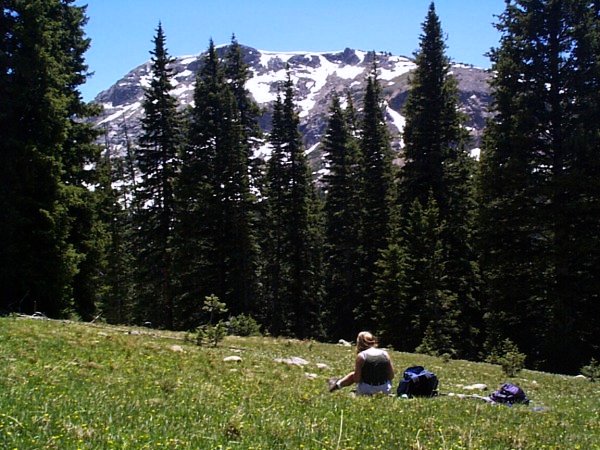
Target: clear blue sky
122, 30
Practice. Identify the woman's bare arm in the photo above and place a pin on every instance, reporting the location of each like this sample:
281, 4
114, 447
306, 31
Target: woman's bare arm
390, 369
358, 365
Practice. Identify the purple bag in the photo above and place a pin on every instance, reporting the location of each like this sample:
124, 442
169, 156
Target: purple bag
509, 394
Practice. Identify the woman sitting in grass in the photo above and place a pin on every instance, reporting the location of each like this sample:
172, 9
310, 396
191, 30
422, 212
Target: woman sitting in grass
373, 370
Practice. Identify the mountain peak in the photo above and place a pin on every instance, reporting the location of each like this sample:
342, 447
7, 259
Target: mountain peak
316, 76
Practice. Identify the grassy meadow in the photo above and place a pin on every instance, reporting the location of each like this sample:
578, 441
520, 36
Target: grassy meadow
66, 385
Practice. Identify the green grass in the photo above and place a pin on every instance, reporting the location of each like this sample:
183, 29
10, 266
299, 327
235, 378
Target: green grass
77, 386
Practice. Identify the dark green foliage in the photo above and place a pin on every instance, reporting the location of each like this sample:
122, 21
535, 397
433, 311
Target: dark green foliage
116, 293
342, 215
238, 74
214, 331
507, 354
432, 122
197, 214
416, 307
292, 253
437, 174
48, 254
539, 189
88, 238
592, 370
156, 157
243, 325
243, 283
217, 250
458, 235
375, 191
395, 304
88, 232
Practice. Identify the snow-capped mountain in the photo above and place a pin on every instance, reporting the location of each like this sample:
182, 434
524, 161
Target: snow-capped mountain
315, 75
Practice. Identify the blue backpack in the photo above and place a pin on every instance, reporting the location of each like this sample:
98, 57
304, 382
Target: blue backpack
418, 382
509, 394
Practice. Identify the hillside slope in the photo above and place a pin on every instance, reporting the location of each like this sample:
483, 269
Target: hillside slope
87, 386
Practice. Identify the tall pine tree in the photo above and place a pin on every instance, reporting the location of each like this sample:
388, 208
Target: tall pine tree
244, 221
47, 255
117, 289
539, 183
217, 246
376, 180
438, 173
155, 214
342, 217
293, 267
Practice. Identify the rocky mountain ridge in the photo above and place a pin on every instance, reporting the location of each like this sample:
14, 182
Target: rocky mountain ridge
315, 75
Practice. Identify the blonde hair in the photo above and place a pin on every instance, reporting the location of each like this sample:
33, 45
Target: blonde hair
364, 341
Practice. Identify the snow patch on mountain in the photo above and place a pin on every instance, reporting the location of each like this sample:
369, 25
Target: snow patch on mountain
315, 75
398, 119
121, 110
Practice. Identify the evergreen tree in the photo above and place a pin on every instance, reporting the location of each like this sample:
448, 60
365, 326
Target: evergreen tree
376, 195
238, 74
195, 196
539, 183
245, 220
117, 290
420, 315
154, 221
293, 261
87, 233
437, 324
275, 245
395, 304
342, 214
217, 246
437, 165
46, 253
580, 245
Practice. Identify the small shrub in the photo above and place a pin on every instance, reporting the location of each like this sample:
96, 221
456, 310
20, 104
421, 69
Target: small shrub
435, 343
592, 370
507, 355
428, 345
244, 325
212, 334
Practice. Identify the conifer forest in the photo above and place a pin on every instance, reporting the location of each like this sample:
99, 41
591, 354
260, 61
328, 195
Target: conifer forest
433, 250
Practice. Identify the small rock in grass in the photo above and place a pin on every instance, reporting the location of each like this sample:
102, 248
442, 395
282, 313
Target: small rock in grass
293, 361
322, 366
311, 376
344, 343
177, 348
232, 359
452, 394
